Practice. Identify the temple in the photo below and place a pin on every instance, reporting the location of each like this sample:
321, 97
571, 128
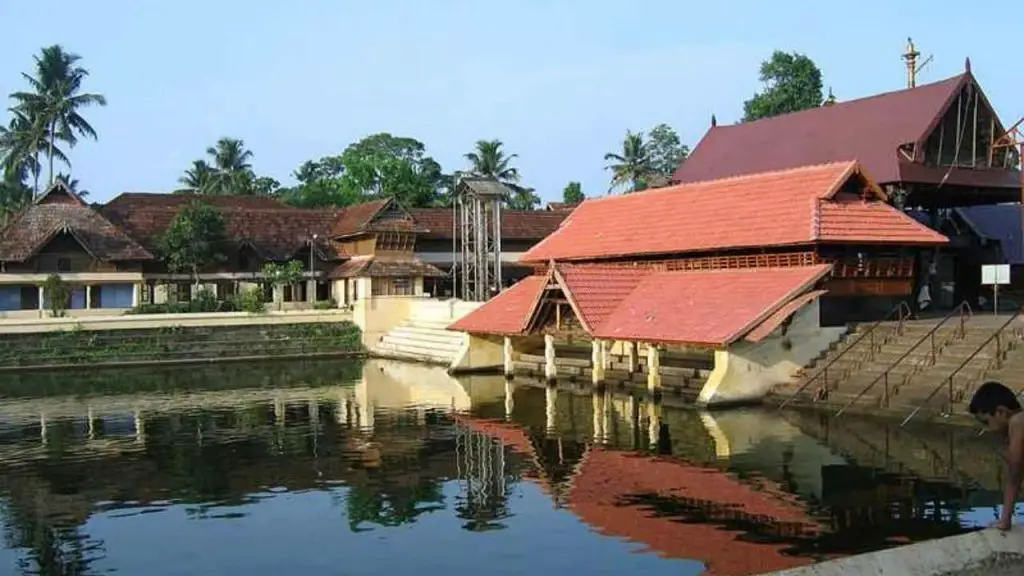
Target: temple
754, 275
111, 254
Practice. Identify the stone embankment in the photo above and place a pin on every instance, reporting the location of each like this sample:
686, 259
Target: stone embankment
985, 552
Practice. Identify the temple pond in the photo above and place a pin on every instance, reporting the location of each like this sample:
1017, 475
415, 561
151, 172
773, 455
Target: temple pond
390, 468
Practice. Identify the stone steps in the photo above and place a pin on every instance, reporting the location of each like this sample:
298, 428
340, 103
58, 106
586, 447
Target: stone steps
421, 340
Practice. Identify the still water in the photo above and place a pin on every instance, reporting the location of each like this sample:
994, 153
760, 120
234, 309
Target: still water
390, 468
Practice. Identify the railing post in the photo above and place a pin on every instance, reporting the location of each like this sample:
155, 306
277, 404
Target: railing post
949, 408
886, 397
824, 376
999, 349
933, 347
872, 337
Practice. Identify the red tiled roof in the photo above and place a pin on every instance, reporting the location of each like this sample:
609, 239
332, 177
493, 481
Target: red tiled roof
515, 224
355, 218
868, 129
506, 313
597, 290
59, 211
758, 210
849, 219
705, 308
710, 308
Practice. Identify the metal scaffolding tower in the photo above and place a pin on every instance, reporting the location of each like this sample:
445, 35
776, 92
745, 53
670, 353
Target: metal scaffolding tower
476, 247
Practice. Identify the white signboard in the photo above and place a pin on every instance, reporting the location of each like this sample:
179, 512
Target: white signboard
995, 274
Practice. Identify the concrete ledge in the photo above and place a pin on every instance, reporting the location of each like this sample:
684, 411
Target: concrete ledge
989, 552
143, 321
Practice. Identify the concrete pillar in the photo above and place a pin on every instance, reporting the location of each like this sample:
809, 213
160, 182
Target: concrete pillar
653, 368
42, 428
607, 418
342, 415
632, 358
597, 362
510, 403
551, 409
42, 298
509, 357
279, 411
550, 370
91, 423
136, 294
311, 291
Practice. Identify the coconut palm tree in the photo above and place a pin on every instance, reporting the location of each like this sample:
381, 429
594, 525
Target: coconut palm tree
631, 166
55, 101
232, 167
14, 194
488, 160
72, 184
22, 142
198, 178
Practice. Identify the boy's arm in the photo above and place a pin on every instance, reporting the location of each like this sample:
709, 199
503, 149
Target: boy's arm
1014, 463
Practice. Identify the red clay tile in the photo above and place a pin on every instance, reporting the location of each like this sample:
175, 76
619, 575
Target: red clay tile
776, 319
506, 313
770, 209
710, 308
598, 290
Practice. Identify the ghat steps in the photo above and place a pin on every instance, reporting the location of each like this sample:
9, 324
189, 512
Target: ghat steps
421, 340
903, 367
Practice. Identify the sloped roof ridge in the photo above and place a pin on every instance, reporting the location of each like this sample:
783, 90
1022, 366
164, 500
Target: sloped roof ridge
738, 177
842, 103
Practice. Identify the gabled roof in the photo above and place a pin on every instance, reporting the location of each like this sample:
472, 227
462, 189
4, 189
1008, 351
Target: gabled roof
712, 308
388, 267
834, 202
60, 211
1001, 222
869, 129
515, 224
383, 215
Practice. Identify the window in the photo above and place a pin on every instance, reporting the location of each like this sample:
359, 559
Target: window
63, 264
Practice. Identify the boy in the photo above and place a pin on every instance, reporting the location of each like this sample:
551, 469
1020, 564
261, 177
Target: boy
996, 407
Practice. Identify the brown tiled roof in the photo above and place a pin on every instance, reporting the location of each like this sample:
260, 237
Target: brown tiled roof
560, 206
58, 212
870, 130
798, 206
139, 200
376, 266
274, 230
515, 224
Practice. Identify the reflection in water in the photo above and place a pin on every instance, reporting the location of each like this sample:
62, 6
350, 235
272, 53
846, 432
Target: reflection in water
390, 467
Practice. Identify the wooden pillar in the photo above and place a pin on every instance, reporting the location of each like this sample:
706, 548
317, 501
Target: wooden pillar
653, 368
597, 363
510, 357
550, 369
632, 357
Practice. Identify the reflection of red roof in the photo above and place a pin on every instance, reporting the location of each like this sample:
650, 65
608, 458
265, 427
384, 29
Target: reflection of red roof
784, 208
709, 307
606, 479
506, 313
869, 129
714, 307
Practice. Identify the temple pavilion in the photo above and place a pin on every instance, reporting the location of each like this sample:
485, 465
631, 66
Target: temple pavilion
757, 271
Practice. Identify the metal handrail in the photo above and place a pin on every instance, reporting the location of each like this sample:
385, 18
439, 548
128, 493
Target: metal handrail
949, 379
902, 311
960, 311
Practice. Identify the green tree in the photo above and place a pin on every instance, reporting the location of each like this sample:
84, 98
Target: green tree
488, 160
632, 165
792, 82
282, 275
666, 150
199, 178
58, 292
55, 100
522, 198
73, 184
14, 194
22, 142
383, 165
573, 193
195, 239
232, 168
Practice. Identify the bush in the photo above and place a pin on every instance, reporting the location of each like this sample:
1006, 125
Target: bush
326, 305
250, 301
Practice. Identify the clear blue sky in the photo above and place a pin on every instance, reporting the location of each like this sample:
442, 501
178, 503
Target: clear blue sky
558, 81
